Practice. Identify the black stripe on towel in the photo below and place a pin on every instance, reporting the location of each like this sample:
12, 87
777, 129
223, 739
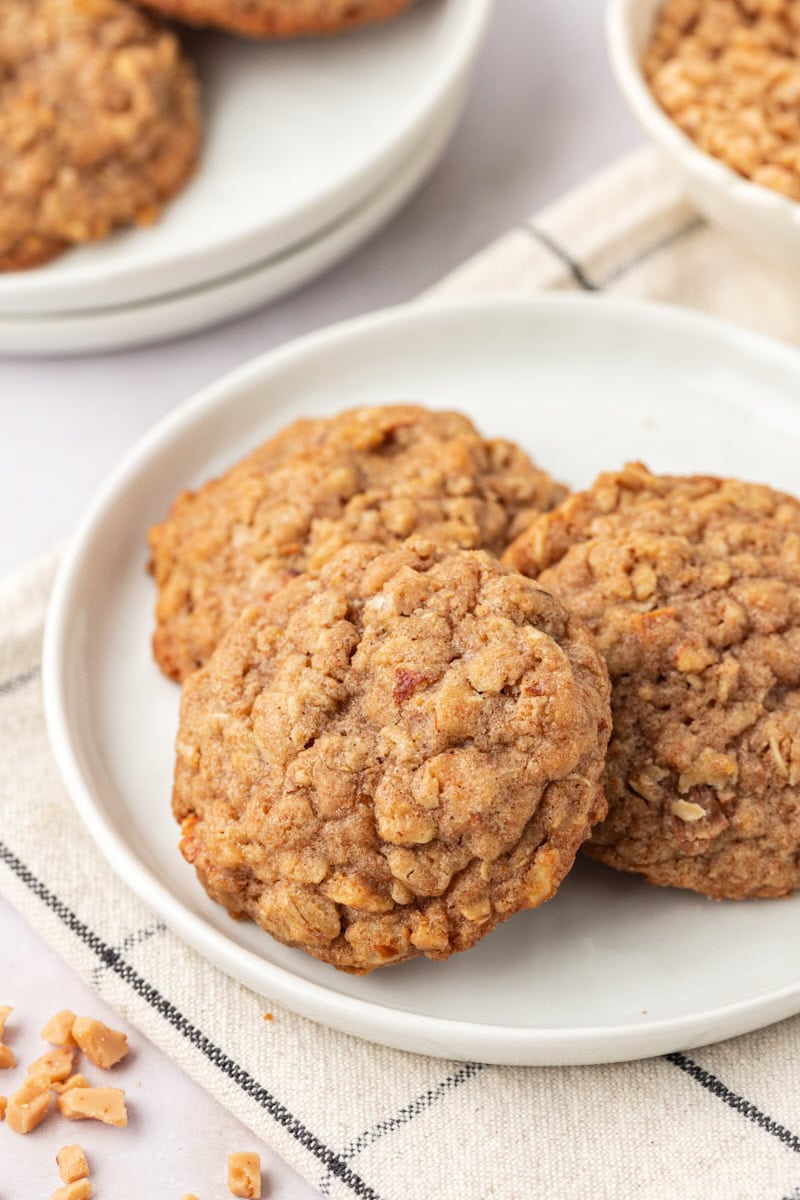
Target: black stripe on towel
19, 681
575, 269
621, 270
145, 934
422, 1102
662, 243
737, 1103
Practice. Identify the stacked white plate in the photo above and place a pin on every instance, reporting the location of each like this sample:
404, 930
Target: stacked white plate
309, 147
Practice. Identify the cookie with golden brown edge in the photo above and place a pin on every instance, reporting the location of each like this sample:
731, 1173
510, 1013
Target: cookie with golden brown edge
99, 123
692, 587
374, 474
391, 757
281, 18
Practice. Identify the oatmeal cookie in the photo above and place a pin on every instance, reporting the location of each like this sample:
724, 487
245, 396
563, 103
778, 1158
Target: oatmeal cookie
692, 588
375, 474
99, 123
281, 18
389, 758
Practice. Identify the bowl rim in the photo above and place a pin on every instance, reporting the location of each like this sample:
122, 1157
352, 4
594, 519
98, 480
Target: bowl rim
694, 161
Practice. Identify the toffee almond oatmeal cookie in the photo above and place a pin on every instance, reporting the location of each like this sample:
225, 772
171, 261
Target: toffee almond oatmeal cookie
389, 758
281, 18
99, 123
692, 588
375, 474
728, 74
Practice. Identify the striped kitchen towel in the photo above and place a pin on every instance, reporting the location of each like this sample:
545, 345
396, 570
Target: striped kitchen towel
359, 1120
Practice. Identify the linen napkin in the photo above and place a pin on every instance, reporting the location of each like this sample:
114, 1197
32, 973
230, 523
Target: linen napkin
359, 1120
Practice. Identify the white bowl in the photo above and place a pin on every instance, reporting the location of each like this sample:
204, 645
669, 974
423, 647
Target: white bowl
766, 221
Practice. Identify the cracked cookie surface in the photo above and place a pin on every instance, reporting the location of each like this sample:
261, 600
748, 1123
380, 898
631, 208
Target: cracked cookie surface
692, 587
371, 474
388, 759
281, 18
99, 123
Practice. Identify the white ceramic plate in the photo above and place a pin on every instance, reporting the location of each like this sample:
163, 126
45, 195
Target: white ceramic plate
187, 311
611, 968
297, 134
